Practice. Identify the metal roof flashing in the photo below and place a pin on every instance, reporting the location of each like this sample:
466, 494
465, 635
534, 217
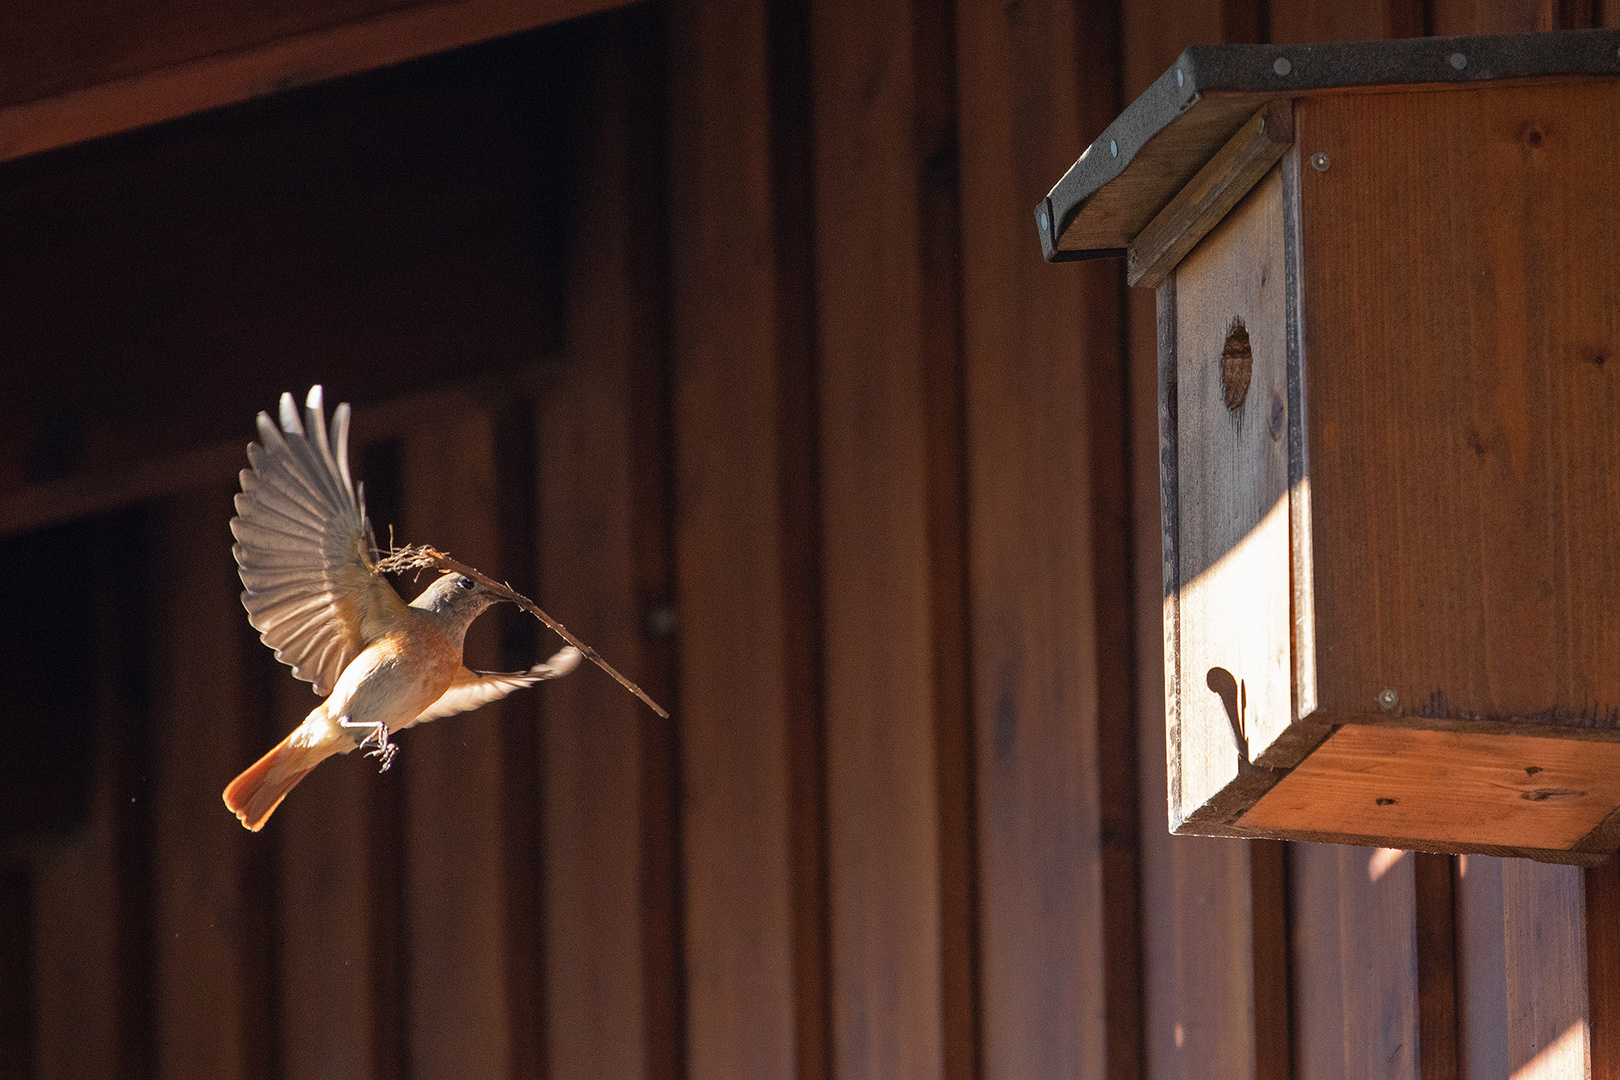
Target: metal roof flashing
1161, 140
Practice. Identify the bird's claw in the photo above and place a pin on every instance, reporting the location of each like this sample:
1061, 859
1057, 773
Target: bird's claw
385, 748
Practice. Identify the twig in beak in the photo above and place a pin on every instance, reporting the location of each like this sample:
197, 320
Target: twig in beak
416, 556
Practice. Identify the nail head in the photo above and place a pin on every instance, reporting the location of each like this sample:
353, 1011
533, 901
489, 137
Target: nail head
1320, 161
1282, 66
1388, 699
1459, 61
1113, 148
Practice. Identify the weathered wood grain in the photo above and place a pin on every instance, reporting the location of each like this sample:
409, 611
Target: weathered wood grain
1544, 954
1355, 965
751, 832
1209, 195
1232, 555
1050, 660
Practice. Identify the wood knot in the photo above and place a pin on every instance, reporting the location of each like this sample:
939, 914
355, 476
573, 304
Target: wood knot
1385, 802
1237, 366
1550, 793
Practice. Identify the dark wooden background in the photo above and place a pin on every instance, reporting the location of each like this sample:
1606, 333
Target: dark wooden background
721, 328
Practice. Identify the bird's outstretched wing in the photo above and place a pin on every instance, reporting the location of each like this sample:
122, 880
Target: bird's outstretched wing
305, 548
474, 688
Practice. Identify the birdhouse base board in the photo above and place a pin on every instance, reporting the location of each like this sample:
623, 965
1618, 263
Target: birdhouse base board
1549, 798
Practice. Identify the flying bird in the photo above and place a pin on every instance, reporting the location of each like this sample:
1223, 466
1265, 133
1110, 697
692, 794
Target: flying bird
308, 560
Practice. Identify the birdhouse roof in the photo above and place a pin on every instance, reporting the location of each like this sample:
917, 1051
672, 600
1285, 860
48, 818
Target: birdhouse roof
1165, 136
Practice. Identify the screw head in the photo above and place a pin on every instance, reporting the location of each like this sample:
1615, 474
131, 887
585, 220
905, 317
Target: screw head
1459, 61
1113, 148
1320, 161
1179, 80
1388, 699
1045, 224
1282, 65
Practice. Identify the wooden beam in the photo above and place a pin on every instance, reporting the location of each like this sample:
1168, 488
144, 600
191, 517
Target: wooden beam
1200, 206
271, 68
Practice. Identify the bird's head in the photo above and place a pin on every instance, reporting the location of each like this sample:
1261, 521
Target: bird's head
455, 598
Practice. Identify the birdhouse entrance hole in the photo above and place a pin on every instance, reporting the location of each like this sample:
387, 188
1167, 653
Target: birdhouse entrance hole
1237, 366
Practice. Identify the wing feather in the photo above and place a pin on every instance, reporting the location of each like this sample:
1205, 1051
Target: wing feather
474, 688
304, 546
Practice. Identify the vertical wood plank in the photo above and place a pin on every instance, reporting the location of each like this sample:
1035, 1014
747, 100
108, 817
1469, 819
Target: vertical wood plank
76, 882
1304, 21
740, 680
459, 1022
210, 1000
1051, 1003
17, 964
336, 835
1436, 943
1355, 967
1198, 898
1603, 966
1494, 16
1481, 970
1544, 934
327, 919
889, 365
591, 748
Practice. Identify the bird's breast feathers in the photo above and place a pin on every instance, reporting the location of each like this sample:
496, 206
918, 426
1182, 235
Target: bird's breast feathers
396, 677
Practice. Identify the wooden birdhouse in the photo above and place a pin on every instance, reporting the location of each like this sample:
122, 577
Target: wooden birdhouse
1388, 280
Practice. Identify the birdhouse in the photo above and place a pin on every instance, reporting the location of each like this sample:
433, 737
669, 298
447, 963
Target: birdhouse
1388, 295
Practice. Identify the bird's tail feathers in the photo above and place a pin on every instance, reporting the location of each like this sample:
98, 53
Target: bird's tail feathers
254, 795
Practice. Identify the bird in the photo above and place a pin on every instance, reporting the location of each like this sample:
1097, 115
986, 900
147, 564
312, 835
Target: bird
307, 556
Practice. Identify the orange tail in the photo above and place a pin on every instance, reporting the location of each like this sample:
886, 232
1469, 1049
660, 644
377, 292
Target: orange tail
254, 795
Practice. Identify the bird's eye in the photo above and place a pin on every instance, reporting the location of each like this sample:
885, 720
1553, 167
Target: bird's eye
465, 583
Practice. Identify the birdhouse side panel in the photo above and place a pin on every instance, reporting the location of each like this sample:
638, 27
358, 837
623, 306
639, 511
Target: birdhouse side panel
1461, 295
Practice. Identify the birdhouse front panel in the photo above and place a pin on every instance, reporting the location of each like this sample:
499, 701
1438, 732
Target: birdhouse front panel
1228, 386
1389, 306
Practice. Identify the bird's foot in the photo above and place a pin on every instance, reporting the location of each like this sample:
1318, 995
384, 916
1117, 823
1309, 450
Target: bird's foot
378, 734
385, 750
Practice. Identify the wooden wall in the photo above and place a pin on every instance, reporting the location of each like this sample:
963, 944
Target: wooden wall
750, 371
